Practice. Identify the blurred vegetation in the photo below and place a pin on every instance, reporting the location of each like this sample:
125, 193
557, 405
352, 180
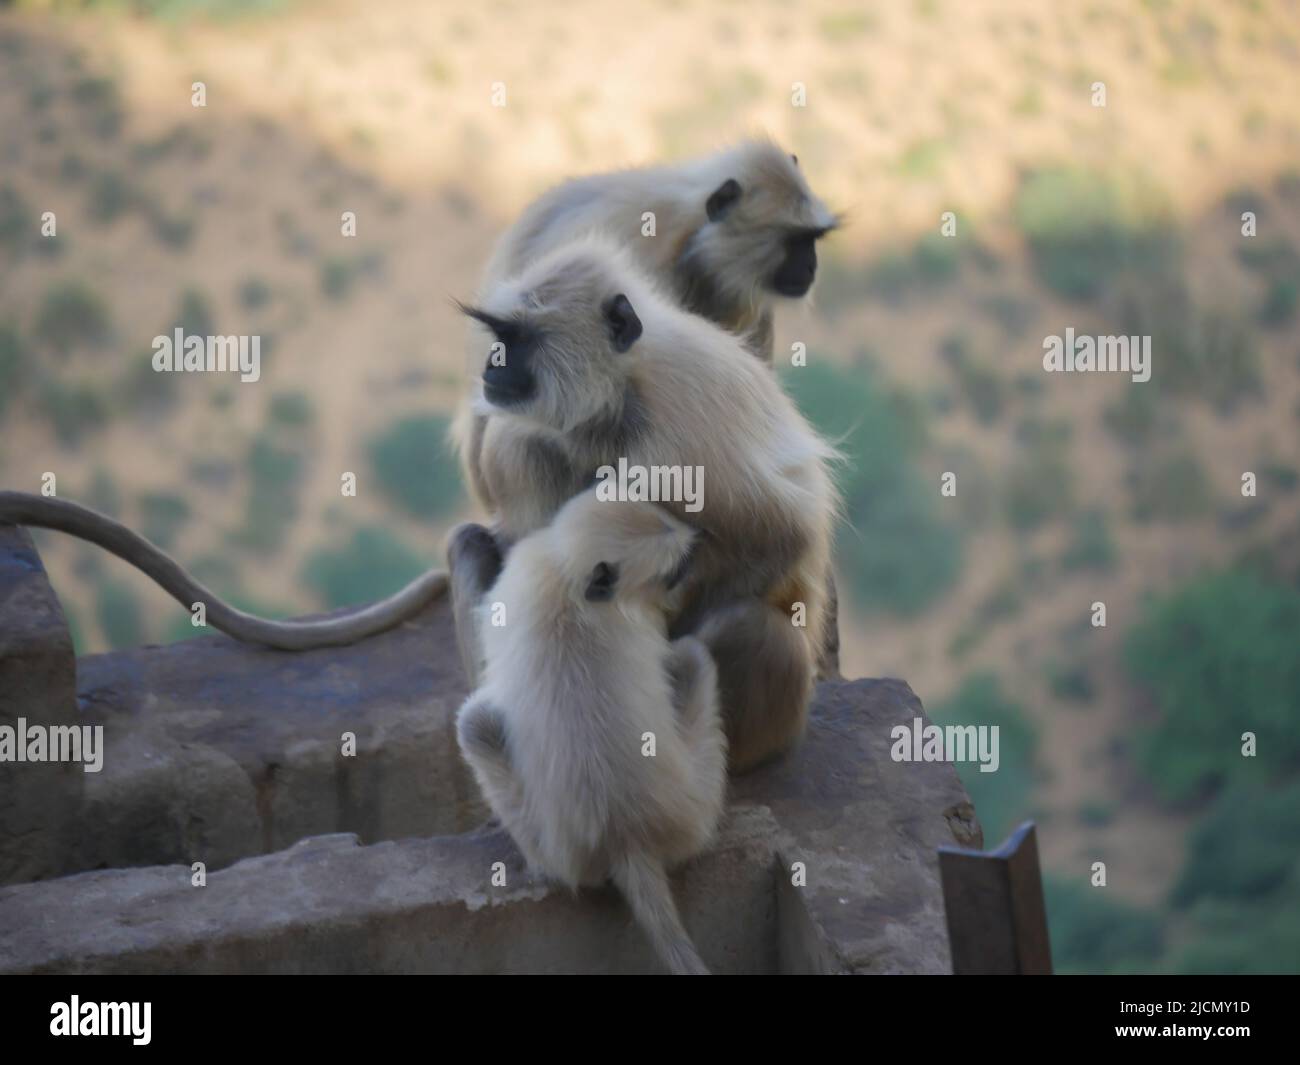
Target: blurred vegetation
1093, 932
898, 553
71, 314
119, 615
1091, 547
1002, 799
1039, 485
162, 516
372, 564
275, 478
1218, 656
1087, 229
415, 467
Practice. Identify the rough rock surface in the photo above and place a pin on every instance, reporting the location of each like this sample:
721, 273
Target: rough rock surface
38, 800
217, 751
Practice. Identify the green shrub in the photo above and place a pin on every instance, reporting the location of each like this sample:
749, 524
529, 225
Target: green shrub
1087, 229
275, 475
1091, 545
373, 564
119, 616
1262, 937
1279, 304
1040, 484
195, 315
291, 409
1207, 354
143, 390
1072, 683
74, 409
897, 552
109, 197
415, 468
1093, 933
102, 493
13, 364
17, 221
71, 314
175, 230
1002, 797
162, 516
1247, 845
980, 384
1218, 656
254, 293
1169, 487
337, 277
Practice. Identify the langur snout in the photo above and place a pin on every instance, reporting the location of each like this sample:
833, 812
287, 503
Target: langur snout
794, 277
508, 376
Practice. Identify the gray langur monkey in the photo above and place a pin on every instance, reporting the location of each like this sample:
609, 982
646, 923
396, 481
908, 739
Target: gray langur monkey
578, 681
733, 232
600, 366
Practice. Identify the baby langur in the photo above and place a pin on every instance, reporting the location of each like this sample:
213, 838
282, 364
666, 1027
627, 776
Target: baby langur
578, 682
734, 231
599, 366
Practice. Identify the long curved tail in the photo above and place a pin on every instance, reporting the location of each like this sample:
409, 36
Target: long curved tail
644, 884
22, 508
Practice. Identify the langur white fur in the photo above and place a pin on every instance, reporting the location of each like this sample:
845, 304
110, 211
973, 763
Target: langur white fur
578, 682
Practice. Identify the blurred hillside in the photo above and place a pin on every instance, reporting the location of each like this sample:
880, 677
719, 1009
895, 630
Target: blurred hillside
925, 355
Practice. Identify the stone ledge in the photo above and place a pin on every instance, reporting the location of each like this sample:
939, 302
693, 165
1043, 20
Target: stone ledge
328, 905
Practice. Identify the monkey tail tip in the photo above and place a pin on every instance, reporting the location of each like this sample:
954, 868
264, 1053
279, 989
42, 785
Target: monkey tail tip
644, 884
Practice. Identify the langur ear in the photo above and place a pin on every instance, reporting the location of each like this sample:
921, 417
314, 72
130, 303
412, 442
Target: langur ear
624, 325
723, 199
600, 585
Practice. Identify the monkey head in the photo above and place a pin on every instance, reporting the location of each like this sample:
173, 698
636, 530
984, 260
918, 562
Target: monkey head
760, 230
560, 337
622, 550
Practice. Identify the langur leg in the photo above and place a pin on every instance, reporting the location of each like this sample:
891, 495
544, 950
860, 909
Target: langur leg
694, 680
474, 562
481, 734
765, 679
828, 660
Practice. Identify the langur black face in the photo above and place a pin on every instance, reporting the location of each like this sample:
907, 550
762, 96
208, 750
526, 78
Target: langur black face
508, 376
798, 269
559, 343
761, 233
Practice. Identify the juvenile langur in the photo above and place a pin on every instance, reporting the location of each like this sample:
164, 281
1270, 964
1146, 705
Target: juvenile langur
578, 682
600, 366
